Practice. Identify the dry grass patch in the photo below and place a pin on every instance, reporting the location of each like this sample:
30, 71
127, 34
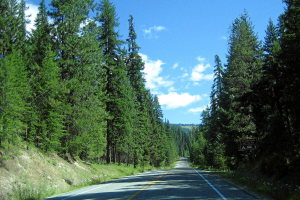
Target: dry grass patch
28, 174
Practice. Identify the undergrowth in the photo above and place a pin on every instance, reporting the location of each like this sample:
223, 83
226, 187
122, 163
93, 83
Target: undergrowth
99, 173
262, 185
254, 181
30, 191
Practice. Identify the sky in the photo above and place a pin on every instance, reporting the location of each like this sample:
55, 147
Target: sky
179, 40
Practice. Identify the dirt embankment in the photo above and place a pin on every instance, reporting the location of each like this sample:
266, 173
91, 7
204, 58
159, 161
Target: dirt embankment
30, 171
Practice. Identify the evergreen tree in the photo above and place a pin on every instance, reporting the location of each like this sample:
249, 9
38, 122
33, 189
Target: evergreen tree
134, 62
12, 28
134, 66
40, 38
119, 105
41, 71
266, 98
13, 92
243, 70
157, 132
214, 148
21, 38
46, 128
79, 61
197, 150
290, 59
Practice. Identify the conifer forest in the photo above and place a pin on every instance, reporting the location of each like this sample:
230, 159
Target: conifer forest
255, 95
74, 86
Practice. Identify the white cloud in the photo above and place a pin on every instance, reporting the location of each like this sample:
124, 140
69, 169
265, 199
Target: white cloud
155, 28
86, 22
197, 72
171, 89
175, 65
196, 76
209, 77
158, 28
154, 92
224, 38
201, 67
185, 75
175, 100
152, 71
197, 110
33, 11
152, 31
200, 59
187, 86
182, 69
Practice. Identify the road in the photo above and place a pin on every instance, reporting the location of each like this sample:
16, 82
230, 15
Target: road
181, 182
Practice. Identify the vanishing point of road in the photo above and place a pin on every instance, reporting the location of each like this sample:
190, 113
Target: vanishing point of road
181, 182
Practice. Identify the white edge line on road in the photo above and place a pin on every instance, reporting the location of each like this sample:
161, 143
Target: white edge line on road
84, 192
211, 185
93, 188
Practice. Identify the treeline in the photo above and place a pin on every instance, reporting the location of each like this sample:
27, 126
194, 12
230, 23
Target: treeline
255, 95
73, 86
183, 139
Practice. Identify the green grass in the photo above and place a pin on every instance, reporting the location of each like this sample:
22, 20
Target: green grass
98, 173
207, 168
262, 185
29, 191
113, 171
253, 181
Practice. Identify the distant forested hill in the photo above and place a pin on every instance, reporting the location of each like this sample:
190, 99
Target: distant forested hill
185, 127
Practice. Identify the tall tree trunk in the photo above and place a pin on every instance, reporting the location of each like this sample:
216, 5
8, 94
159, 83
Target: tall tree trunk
114, 153
119, 158
127, 159
108, 153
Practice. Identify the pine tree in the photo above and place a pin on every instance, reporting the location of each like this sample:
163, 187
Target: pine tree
157, 132
13, 92
12, 28
215, 96
21, 38
40, 39
146, 131
46, 102
79, 59
267, 98
134, 62
40, 86
213, 136
114, 75
243, 70
290, 57
134, 66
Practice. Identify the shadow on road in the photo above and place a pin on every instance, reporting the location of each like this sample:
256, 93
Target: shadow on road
182, 182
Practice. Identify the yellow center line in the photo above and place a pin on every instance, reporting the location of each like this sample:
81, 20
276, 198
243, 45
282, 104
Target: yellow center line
153, 182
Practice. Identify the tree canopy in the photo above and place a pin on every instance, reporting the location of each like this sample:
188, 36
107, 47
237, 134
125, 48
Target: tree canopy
73, 86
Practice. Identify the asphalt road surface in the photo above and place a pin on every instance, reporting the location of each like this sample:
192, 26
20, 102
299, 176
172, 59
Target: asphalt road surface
181, 182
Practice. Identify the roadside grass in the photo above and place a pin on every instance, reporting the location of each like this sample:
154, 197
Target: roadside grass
109, 172
261, 185
265, 187
98, 173
207, 168
26, 173
29, 191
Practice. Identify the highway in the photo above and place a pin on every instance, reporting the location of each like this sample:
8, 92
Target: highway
181, 182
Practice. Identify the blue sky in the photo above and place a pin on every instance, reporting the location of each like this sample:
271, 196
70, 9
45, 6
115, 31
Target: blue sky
179, 39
